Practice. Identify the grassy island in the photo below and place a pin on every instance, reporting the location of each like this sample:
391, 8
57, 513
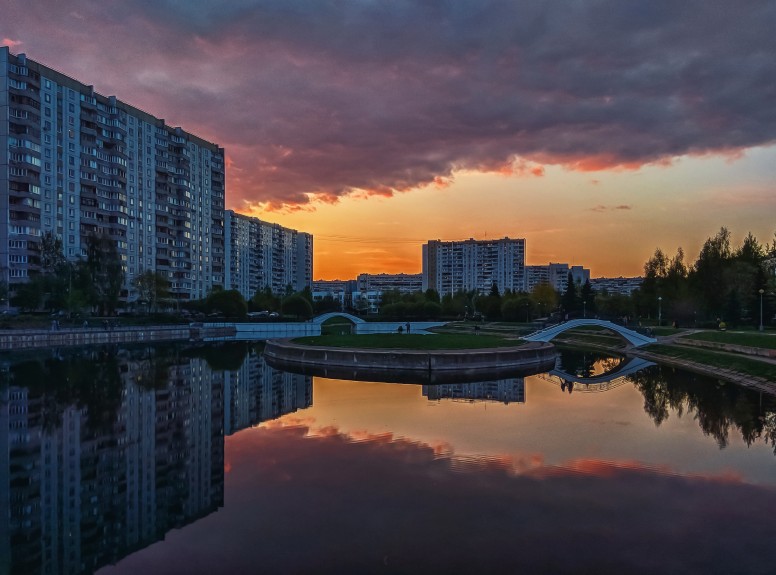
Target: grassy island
409, 341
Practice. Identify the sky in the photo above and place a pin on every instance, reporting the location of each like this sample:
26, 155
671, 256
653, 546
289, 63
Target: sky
598, 130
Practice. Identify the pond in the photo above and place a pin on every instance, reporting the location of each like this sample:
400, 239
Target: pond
177, 459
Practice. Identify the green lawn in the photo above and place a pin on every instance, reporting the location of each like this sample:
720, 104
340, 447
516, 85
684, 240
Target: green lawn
740, 364
751, 339
409, 341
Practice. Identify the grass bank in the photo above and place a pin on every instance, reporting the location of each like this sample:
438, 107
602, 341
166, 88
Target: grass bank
749, 339
409, 341
740, 364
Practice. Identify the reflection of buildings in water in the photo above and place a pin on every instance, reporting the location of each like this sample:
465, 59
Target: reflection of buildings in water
81, 490
84, 492
503, 390
256, 392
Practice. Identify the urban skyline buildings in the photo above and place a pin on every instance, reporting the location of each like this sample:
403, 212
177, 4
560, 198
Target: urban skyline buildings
265, 255
78, 164
450, 267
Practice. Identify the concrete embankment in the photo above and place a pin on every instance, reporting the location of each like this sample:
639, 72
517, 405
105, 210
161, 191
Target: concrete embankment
31, 339
468, 360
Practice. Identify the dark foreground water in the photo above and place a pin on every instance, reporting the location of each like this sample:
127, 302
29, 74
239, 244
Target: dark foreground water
206, 460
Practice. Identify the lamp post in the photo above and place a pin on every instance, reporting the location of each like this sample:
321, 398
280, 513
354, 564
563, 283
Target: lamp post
660, 310
762, 291
584, 308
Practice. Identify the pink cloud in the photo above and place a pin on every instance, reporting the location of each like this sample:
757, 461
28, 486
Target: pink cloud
310, 108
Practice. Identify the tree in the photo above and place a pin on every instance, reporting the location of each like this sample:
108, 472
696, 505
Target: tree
265, 300
152, 287
569, 300
106, 275
229, 302
708, 275
29, 295
52, 254
588, 298
432, 295
545, 297
297, 305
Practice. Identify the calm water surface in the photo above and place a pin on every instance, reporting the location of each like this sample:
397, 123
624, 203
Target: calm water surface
207, 460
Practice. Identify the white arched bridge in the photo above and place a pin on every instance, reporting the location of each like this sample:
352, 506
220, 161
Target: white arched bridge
632, 337
326, 316
361, 326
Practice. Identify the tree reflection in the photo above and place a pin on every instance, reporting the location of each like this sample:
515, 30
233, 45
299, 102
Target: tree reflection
717, 406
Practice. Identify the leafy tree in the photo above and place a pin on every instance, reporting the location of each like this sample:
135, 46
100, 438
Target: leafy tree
103, 265
152, 287
518, 308
265, 300
570, 300
432, 295
708, 275
29, 295
545, 297
52, 254
326, 304
297, 305
432, 310
588, 298
229, 302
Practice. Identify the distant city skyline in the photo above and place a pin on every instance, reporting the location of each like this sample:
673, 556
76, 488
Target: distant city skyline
597, 131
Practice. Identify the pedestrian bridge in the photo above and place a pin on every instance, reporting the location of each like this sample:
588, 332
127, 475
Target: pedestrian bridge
322, 318
361, 326
632, 337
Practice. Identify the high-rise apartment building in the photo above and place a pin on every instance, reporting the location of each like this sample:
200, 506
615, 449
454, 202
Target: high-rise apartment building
449, 267
404, 283
76, 163
263, 255
556, 275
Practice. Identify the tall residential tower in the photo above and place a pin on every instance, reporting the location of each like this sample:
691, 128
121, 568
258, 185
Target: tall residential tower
76, 163
449, 267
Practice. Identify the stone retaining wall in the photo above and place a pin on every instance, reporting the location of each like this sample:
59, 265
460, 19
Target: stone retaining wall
30, 339
414, 360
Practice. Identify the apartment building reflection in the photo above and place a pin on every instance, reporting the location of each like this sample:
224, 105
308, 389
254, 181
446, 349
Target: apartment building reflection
87, 478
256, 392
502, 391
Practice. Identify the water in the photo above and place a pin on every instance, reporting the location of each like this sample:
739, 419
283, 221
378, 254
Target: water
207, 460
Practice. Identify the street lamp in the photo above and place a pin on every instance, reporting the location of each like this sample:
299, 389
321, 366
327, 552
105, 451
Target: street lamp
660, 310
762, 291
584, 308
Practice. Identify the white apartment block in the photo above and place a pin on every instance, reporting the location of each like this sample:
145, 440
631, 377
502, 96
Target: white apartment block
404, 283
75, 163
261, 254
556, 275
449, 267
620, 285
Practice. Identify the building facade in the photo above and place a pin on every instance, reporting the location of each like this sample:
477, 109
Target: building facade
261, 254
404, 283
78, 164
620, 285
449, 267
556, 275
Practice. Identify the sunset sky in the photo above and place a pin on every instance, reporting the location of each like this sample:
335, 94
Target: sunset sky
597, 130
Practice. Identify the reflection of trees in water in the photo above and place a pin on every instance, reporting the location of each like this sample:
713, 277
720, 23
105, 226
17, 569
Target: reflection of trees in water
716, 406
587, 363
90, 379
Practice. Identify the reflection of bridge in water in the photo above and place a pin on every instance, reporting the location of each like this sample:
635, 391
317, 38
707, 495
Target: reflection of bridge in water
604, 382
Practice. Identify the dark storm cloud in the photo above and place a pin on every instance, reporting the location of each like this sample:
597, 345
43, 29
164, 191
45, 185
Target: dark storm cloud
317, 99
